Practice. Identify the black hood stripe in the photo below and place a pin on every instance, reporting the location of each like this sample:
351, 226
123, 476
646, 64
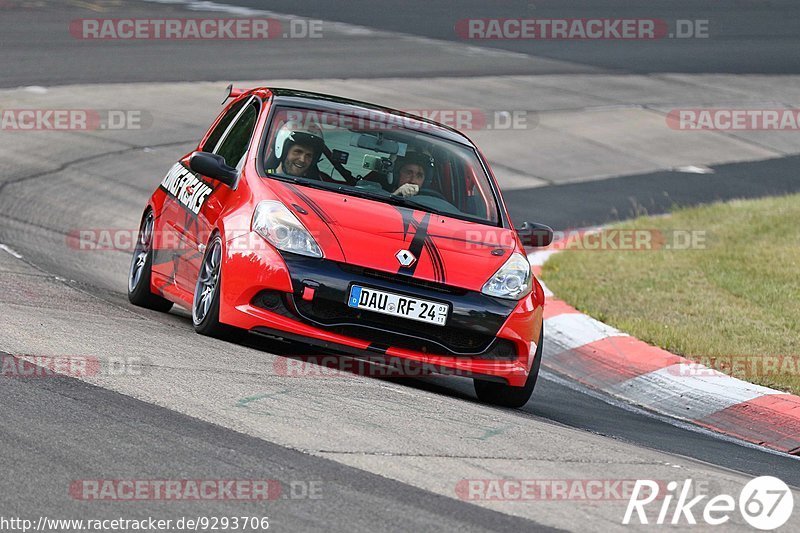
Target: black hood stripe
408, 220
311, 204
422, 240
319, 212
436, 259
417, 243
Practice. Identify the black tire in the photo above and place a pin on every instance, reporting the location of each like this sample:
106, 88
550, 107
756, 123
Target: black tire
139, 292
205, 305
505, 395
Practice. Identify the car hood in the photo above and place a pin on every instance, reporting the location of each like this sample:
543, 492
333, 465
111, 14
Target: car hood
369, 233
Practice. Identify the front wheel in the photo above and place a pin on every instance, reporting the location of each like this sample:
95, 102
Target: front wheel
506, 395
207, 294
139, 292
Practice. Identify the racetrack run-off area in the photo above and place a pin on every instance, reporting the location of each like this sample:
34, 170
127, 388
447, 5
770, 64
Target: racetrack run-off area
698, 390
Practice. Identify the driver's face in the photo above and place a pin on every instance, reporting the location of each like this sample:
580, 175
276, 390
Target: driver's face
298, 160
411, 173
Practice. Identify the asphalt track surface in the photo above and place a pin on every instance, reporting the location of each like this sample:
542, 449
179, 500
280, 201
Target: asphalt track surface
58, 430
743, 36
73, 434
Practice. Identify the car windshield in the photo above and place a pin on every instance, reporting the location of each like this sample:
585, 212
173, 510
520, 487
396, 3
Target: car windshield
378, 156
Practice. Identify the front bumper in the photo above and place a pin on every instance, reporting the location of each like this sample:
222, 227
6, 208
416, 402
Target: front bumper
486, 337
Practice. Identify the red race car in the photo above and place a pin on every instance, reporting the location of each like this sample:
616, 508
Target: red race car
354, 228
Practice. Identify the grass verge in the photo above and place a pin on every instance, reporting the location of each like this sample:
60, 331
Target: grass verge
719, 284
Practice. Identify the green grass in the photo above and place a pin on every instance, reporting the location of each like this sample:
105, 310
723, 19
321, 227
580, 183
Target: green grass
736, 299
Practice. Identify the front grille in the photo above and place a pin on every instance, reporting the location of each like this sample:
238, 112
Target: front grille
391, 330
471, 328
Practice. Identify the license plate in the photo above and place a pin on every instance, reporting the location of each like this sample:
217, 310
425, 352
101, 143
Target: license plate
398, 305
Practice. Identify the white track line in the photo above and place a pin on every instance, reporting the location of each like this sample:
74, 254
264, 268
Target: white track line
10, 251
686, 396
573, 330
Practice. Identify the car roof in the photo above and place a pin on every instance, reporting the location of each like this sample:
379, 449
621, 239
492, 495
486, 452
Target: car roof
327, 102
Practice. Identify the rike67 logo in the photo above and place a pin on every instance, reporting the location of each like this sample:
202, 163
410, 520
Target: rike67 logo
765, 503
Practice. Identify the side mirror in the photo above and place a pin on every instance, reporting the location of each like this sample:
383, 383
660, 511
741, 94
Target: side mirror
536, 235
214, 167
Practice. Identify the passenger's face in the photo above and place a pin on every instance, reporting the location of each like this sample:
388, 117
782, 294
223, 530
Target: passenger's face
298, 160
411, 173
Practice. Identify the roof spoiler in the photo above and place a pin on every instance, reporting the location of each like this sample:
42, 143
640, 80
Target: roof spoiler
230, 92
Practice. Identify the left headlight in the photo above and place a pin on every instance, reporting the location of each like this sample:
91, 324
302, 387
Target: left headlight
513, 280
273, 221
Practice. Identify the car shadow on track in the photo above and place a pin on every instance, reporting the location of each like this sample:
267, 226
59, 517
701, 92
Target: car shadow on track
303, 360
332, 364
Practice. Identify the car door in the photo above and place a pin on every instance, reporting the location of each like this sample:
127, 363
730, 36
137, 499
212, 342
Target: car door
233, 145
175, 219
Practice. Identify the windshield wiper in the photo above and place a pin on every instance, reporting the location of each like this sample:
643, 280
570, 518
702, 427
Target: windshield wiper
300, 180
395, 200
386, 198
285, 177
409, 202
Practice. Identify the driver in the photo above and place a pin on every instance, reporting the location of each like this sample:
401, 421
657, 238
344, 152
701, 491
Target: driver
412, 171
298, 148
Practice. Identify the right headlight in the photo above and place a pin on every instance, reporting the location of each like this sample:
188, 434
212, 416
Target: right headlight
273, 221
512, 281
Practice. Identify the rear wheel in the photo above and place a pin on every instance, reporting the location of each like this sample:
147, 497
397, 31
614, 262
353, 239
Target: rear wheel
140, 273
506, 395
205, 307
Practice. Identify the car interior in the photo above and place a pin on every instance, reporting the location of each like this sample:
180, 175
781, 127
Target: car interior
366, 159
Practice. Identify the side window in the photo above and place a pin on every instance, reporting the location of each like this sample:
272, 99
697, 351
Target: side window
235, 145
219, 131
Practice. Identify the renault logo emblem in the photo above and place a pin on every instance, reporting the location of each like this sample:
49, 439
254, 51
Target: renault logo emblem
405, 258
